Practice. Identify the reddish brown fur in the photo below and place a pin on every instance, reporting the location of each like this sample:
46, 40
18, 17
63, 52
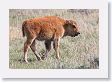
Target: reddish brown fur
50, 28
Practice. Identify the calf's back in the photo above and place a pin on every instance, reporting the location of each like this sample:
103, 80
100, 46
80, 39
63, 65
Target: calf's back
45, 28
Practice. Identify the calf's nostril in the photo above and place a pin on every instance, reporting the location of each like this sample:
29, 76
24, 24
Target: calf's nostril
78, 32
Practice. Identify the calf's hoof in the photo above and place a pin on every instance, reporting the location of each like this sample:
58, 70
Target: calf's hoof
43, 57
57, 57
26, 61
39, 58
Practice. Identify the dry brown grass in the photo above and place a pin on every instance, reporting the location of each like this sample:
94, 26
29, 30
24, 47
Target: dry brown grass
15, 33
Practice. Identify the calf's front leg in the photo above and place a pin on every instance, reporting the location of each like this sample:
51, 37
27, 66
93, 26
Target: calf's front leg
56, 47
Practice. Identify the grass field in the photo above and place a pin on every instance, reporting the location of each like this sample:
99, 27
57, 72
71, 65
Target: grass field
81, 52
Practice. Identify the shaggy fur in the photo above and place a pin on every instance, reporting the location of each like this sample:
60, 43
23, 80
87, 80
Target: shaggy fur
50, 28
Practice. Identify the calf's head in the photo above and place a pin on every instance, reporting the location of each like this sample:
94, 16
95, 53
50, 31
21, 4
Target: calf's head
71, 28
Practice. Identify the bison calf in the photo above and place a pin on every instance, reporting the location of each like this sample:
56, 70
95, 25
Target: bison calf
50, 28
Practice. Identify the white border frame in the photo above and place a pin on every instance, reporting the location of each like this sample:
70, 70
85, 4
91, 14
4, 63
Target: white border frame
102, 72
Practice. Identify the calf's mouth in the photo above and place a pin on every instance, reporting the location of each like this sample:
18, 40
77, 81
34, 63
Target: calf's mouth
76, 34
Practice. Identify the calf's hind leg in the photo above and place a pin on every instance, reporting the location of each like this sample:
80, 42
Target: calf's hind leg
26, 47
48, 48
34, 49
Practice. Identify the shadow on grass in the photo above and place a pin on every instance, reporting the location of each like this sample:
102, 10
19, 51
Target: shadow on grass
22, 60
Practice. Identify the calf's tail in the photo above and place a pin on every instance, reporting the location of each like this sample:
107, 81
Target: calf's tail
23, 30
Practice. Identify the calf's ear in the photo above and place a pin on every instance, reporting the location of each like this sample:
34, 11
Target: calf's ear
68, 22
